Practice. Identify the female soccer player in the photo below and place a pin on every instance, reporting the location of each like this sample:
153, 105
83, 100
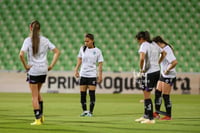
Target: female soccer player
88, 56
167, 78
36, 47
149, 67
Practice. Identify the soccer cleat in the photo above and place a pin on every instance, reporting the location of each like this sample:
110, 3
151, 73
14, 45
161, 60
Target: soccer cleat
156, 115
42, 119
166, 118
85, 113
147, 121
37, 122
140, 119
89, 114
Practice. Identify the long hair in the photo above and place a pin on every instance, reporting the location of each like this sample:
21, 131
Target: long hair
91, 36
158, 39
35, 27
144, 35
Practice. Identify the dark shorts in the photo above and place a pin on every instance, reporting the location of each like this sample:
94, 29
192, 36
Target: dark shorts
149, 81
167, 80
88, 81
36, 79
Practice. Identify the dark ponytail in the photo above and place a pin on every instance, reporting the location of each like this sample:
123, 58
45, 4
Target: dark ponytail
35, 27
159, 39
84, 48
147, 37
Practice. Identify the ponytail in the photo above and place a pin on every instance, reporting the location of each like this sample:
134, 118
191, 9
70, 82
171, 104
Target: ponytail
84, 48
35, 27
147, 37
160, 40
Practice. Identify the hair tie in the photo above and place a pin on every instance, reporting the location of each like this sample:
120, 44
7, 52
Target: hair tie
31, 26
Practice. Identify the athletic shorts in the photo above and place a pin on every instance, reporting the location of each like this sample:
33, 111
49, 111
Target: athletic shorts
149, 80
36, 79
169, 81
88, 81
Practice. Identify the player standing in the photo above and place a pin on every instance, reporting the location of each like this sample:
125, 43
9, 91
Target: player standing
149, 67
167, 78
88, 56
36, 47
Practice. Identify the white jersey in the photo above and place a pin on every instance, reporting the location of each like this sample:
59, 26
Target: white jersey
90, 57
166, 62
38, 62
152, 54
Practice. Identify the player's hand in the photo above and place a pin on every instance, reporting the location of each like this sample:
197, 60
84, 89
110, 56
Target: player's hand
166, 72
77, 74
28, 67
99, 79
141, 73
49, 68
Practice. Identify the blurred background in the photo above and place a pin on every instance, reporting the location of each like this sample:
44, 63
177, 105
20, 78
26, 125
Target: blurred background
114, 24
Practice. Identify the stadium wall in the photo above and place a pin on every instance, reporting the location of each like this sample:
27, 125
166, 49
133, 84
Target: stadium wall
113, 82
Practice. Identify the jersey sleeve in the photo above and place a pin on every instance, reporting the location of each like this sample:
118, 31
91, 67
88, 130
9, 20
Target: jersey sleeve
25, 45
143, 49
80, 53
100, 57
170, 55
50, 45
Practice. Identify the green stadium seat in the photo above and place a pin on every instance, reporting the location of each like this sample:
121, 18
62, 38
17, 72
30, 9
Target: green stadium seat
114, 24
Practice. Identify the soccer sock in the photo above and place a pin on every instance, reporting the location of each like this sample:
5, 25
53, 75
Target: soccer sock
37, 113
149, 108
83, 100
145, 111
41, 107
158, 100
168, 105
92, 100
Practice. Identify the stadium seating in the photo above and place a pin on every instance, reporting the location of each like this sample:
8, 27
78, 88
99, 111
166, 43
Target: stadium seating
114, 24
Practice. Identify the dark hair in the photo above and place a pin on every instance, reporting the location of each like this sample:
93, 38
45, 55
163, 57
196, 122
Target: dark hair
145, 35
35, 26
158, 39
91, 36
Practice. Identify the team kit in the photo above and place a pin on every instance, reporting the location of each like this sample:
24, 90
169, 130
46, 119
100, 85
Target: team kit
157, 64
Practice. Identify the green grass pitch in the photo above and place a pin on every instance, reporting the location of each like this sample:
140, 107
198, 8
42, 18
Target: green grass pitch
114, 113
